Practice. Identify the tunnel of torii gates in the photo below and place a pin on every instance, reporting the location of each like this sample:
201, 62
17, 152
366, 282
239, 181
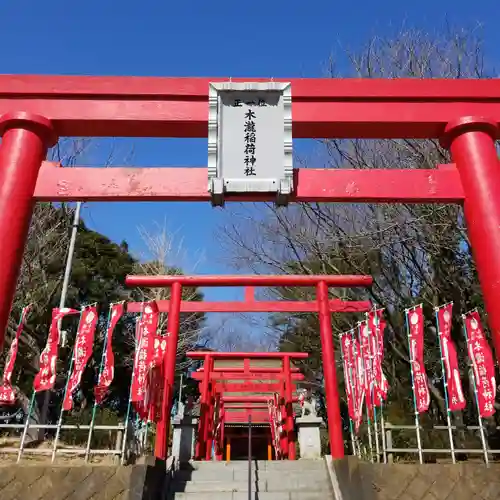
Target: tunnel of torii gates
236, 389
463, 114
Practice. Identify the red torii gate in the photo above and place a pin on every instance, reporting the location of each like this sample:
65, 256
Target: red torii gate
252, 383
209, 394
323, 307
463, 114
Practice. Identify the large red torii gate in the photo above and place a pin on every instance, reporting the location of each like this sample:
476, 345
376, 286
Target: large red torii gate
463, 114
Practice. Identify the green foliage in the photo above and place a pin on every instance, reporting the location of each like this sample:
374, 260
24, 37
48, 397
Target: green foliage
98, 276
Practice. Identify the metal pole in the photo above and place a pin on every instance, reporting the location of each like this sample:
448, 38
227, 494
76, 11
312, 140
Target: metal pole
445, 386
479, 418
69, 262
94, 408
180, 389
372, 389
370, 442
375, 429
26, 426
62, 302
59, 422
347, 375
352, 333
365, 375
127, 415
249, 457
382, 425
417, 420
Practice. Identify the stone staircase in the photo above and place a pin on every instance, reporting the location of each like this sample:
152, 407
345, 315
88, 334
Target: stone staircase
274, 480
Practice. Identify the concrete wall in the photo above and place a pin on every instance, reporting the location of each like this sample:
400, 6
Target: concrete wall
101, 482
465, 481
357, 481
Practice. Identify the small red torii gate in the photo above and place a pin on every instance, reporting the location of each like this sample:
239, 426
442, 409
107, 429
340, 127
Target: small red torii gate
210, 375
463, 114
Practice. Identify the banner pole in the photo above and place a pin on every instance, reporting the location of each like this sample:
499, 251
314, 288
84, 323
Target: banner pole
101, 366
26, 426
365, 375
372, 390
479, 418
347, 379
351, 378
382, 423
59, 422
382, 430
127, 415
417, 419
445, 386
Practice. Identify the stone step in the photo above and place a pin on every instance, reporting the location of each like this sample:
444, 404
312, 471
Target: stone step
276, 484
292, 465
243, 495
229, 475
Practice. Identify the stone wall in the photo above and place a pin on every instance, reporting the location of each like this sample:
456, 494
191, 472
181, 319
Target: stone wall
465, 481
101, 482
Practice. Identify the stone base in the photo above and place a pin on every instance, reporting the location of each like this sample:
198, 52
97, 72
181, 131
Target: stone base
309, 436
183, 439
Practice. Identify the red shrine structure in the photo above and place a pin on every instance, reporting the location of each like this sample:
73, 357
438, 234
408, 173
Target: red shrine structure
323, 305
240, 388
463, 114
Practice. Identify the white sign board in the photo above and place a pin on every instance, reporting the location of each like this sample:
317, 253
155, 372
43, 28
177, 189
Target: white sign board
250, 139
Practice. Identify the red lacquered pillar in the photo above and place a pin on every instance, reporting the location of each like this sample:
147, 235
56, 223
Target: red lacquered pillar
163, 426
204, 408
222, 419
282, 423
330, 373
289, 423
25, 140
209, 425
471, 141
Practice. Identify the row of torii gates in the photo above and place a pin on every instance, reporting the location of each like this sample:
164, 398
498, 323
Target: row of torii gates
463, 114
239, 392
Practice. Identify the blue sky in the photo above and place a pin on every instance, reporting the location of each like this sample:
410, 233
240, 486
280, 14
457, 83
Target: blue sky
196, 38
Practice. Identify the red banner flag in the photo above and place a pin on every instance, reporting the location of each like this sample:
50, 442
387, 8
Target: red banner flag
347, 361
384, 384
81, 352
146, 389
157, 378
146, 330
415, 319
482, 364
456, 399
376, 326
366, 352
46, 376
358, 378
7, 395
108, 368
275, 424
